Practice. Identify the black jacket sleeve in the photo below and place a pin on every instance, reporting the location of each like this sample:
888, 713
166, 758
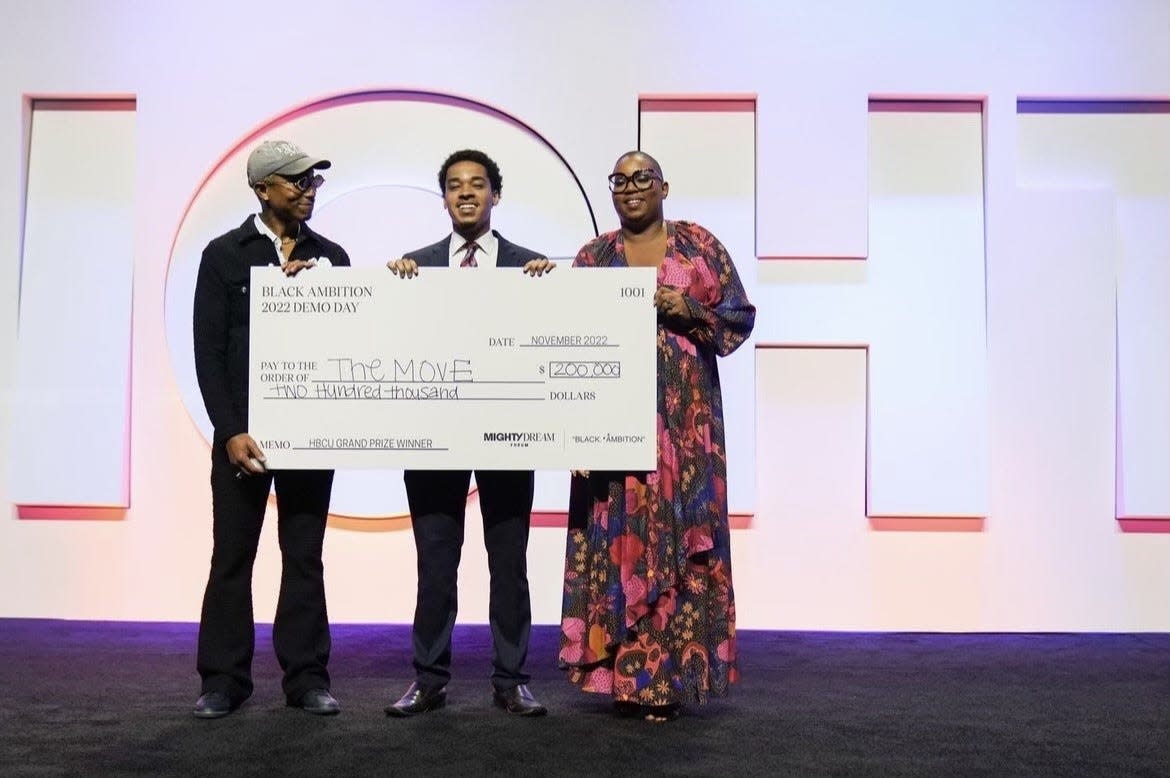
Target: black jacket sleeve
211, 325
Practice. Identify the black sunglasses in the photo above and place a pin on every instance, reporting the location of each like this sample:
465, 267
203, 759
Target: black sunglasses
305, 182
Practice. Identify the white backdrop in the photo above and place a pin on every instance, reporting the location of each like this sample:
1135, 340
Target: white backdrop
962, 314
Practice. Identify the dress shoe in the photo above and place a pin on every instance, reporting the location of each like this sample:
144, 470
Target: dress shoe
319, 702
418, 699
213, 705
518, 700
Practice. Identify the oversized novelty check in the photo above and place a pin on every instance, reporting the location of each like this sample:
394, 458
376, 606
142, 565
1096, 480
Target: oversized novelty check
454, 369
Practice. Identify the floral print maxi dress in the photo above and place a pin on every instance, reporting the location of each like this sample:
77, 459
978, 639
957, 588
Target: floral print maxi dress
649, 611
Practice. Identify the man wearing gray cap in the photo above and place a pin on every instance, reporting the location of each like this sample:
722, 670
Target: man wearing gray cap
285, 181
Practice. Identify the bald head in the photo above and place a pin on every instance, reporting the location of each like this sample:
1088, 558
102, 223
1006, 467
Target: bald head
642, 159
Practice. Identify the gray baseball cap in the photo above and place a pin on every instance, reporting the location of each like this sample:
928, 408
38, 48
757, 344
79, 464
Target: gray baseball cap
280, 156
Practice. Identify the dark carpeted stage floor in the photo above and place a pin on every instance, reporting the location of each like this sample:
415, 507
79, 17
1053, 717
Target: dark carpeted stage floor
114, 699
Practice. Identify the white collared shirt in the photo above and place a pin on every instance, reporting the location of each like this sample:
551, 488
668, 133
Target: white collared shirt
274, 239
486, 256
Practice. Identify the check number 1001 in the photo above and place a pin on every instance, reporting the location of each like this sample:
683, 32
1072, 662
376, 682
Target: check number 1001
584, 369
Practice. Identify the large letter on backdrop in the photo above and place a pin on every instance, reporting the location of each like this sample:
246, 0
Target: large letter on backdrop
1115, 154
917, 305
70, 448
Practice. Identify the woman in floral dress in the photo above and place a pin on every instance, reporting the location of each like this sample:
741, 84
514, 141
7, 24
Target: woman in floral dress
649, 609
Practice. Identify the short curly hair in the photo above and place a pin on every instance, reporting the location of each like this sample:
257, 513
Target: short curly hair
477, 156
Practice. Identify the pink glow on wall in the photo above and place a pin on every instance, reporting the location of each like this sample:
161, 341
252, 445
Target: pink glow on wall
69, 513
698, 103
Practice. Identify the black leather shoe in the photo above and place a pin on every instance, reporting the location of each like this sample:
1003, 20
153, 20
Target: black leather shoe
418, 699
519, 700
213, 705
319, 702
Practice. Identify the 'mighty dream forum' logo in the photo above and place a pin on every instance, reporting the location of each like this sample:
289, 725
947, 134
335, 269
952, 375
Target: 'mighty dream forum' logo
519, 439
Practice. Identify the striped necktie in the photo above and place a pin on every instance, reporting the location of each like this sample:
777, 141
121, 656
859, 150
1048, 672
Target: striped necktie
469, 257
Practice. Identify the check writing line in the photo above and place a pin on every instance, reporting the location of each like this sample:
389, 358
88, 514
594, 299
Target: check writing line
375, 381
463, 399
355, 448
415, 399
575, 345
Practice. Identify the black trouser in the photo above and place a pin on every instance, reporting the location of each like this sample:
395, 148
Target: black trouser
438, 502
300, 632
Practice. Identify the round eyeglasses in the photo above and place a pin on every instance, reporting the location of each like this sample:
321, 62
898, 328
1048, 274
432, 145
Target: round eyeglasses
641, 179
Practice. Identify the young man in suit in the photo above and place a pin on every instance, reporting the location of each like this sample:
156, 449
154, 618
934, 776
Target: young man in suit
285, 182
471, 185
